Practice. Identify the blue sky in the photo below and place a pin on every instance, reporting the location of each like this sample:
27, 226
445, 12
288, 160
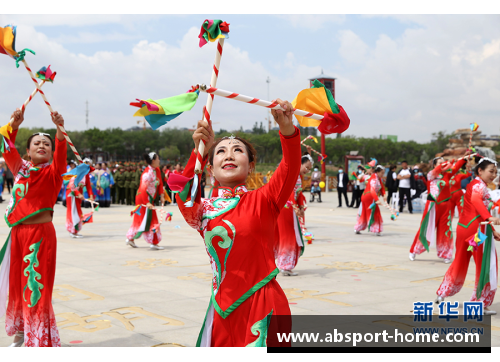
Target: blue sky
407, 75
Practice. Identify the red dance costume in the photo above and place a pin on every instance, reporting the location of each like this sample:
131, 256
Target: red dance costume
476, 202
290, 230
238, 227
29, 254
436, 220
457, 195
369, 213
74, 215
145, 221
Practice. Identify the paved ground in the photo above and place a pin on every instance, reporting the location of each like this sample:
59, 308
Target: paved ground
108, 294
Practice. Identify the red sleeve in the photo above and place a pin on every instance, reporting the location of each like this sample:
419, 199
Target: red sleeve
59, 159
477, 202
374, 194
159, 190
193, 214
457, 166
88, 185
12, 158
281, 185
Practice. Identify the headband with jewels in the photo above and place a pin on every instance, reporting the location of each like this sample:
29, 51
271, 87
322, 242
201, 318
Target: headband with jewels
309, 158
487, 159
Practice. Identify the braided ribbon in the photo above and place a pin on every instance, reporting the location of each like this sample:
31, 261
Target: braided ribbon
208, 107
23, 107
49, 106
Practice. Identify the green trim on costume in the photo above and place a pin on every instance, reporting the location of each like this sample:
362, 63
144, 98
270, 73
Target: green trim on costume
245, 296
26, 217
226, 243
484, 276
425, 224
260, 329
33, 283
4, 248
233, 202
450, 227
15, 201
198, 342
301, 236
470, 222
372, 216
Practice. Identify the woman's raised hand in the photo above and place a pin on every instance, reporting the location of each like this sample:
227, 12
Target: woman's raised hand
204, 132
18, 117
284, 118
57, 119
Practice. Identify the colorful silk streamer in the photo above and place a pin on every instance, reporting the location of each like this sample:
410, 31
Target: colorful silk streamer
488, 273
476, 240
162, 111
79, 172
6, 143
319, 100
8, 44
474, 126
211, 30
46, 74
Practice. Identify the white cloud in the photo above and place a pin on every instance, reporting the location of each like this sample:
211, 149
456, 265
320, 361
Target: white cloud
352, 48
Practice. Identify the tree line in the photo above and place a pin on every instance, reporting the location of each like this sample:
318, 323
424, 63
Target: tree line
175, 145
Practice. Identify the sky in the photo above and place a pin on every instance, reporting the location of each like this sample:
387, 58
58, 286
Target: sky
404, 75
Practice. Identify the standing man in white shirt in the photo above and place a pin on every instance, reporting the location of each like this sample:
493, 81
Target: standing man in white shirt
406, 183
342, 180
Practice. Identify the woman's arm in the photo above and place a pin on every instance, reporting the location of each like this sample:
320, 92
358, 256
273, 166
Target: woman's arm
12, 157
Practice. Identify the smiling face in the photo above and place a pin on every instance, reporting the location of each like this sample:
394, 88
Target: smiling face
40, 150
231, 164
305, 168
488, 174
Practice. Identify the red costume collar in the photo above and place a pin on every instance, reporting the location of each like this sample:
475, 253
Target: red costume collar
228, 192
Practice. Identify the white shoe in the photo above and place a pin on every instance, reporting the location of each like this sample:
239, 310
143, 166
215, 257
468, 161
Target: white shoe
378, 234
131, 243
289, 273
447, 261
156, 247
412, 256
20, 341
357, 232
76, 236
439, 299
489, 312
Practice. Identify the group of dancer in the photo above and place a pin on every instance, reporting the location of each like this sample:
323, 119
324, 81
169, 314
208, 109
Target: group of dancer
249, 236
444, 195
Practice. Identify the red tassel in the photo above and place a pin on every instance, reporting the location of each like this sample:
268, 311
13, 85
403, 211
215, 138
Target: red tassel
334, 123
224, 27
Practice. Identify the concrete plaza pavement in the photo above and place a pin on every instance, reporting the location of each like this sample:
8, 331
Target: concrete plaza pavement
109, 294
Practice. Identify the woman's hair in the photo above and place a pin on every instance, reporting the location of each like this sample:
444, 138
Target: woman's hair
483, 164
393, 167
379, 168
307, 158
28, 143
148, 159
252, 153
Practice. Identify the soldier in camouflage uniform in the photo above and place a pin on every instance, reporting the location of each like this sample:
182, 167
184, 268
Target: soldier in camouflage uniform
120, 185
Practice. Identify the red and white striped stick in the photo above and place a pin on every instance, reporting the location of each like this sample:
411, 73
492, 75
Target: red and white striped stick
256, 101
210, 100
28, 100
312, 149
38, 87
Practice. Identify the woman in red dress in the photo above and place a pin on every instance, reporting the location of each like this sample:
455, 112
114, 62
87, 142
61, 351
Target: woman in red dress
436, 220
289, 238
370, 215
238, 229
477, 202
28, 257
145, 221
